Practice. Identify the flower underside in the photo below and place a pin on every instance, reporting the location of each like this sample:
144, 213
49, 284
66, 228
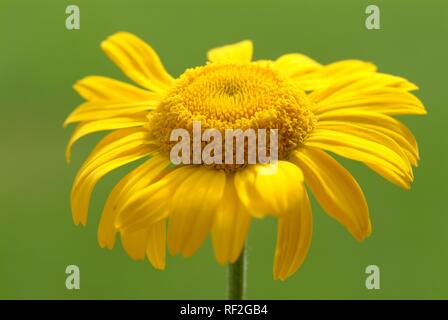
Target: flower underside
234, 96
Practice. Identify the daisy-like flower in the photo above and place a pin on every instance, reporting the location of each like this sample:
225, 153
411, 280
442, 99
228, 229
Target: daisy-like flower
343, 108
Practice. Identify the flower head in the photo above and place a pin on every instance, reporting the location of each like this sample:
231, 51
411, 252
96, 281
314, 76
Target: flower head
344, 108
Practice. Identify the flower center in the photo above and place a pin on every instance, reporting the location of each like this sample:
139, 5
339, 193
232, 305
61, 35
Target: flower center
234, 96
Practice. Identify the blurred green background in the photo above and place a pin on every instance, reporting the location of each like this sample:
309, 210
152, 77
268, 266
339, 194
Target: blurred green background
39, 62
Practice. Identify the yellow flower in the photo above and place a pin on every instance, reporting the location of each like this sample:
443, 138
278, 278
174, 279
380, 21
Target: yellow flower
345, 108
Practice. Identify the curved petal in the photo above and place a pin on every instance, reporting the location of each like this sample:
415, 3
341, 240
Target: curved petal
156, 244
115, 150
371, 152
154, 171
379, 122
237, 52
86, 128
140, 208
264, 193
103, 110
149, 242
231, 225
371, 135
294, 233
138, 61
83, 187
135, 180
193, 209
97, 88
296, 65
376, 92
333, 73
112, 145
335, 189
134, 243
106, 229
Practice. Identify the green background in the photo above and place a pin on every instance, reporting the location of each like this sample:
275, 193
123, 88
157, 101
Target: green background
39, 62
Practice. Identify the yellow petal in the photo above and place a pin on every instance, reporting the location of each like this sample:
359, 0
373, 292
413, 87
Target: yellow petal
332, 74
379, 122
150, 204
193, 208
138, 61
296, 65
345, 67
102, 110
370, 92
264, 194
103, 159
391, 139
371, 135
106, 229
149, 242
371, 152
106, 152
150, 173
293, 236
156, 244
83, 188
392, 176
134, 243
238, 52
135, 180
86, 128
231, 225
335, 189
97, 88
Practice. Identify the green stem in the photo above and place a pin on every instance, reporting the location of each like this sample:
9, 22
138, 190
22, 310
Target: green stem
237, 277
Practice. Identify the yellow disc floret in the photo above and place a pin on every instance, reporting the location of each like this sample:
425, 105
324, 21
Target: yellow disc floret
234, 96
